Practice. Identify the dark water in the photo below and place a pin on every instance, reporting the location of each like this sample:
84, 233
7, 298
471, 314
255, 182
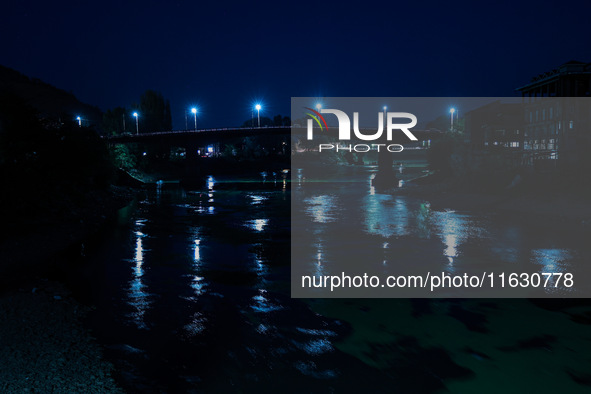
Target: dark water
344, 225
192, 294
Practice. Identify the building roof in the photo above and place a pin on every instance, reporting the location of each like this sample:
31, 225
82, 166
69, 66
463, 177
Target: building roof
572, 67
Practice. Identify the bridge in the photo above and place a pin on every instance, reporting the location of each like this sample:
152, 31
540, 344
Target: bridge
277, 137
207, 136
212, 136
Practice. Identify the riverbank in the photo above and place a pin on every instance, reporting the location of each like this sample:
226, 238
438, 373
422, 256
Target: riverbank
33, 243
44, 346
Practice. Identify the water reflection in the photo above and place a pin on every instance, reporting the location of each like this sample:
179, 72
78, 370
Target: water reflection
454, 229
197, 255
451, 246
137, 291
322, 208
196, 325
385, 215
256, 199
263, 304
259, 265
316, 347
319, 269
423, 220
198, 285
257, 224
221, 281
552, 260
558, 261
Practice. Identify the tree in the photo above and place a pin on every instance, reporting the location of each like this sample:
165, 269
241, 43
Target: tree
277, 120
443, 123
122, 157
154, 112
114, 121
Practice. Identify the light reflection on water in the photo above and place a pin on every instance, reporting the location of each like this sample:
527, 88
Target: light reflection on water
386, 215
322, 208
137, 291
257, 224
453, 229
256, 199
551, 260
198, 284
260, 266
197, 255
261, 303
181, 283
554, 261
353, 222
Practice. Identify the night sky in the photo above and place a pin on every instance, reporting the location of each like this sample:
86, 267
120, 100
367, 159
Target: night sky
225, 56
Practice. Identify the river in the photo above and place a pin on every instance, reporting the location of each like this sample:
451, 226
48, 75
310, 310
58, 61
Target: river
192, 294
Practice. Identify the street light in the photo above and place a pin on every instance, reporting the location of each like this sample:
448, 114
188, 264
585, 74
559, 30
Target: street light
318, 107
137, 127
258, 108
79, 119
194, 111
385, 116
451, 111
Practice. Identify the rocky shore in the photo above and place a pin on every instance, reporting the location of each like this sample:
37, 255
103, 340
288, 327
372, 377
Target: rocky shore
44, 347
43, 344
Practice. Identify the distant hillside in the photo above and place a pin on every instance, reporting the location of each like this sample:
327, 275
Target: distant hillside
50, 101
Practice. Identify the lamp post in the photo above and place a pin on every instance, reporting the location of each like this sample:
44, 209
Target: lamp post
385, 115
318, 107
79, 119
137, 127
258, 108
451, 112
194, 111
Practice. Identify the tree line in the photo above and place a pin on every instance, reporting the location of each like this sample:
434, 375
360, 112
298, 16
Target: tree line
153, 115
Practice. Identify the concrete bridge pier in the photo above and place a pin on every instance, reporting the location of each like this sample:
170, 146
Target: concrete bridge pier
192, 176
386, 176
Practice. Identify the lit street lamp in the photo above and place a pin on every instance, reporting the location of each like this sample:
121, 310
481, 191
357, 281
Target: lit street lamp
258, 108
451, 111
137, 127
318, 107
385, 116
194, 111
79, 119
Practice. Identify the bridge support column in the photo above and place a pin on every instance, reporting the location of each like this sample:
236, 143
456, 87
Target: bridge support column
192, 174
385, 177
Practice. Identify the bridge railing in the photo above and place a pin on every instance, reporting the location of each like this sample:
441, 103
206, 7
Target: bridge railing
196, 131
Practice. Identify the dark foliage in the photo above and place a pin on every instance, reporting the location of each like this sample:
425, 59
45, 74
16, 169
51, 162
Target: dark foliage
47, 169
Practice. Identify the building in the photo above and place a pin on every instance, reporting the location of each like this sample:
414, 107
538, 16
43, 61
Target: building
557, 111
495, 125
572, 79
